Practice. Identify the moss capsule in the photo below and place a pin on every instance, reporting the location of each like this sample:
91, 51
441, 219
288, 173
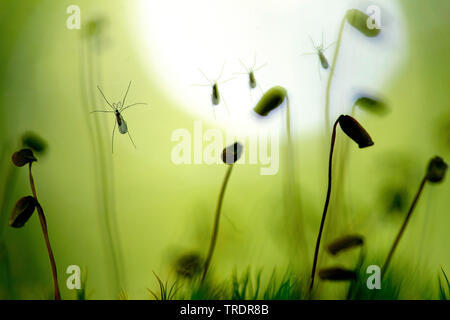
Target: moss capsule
271, 100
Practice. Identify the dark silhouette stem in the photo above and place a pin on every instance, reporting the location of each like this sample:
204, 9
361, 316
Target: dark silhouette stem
325, 209
402, 229
45, 232
212, 244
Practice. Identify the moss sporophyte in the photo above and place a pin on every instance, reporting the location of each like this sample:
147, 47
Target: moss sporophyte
230, 155
435, 173
358, 20
357, 133
25, 207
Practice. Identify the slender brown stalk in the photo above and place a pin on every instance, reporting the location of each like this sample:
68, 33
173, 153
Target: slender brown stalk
343, 160
327, 201
215, 232
45, 232
402, 229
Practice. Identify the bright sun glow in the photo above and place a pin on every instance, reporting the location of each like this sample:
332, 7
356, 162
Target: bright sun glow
182, 37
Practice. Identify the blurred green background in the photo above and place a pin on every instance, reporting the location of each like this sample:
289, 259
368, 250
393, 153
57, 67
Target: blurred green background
158, 210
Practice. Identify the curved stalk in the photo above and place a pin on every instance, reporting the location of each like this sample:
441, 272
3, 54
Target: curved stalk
403, 227
325, 209
330, 77
45, 232
215, 232
341, 178
292, 175
289, 139
288, 121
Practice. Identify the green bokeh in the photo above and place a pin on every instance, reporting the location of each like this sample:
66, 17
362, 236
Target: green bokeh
162, 209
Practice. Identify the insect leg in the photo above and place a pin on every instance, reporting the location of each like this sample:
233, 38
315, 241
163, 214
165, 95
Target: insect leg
260, 67
226, 106
221, 82
204, 75
106, 111
260, 88
112, 139
331, 44
126, 93
240, 73
221, 71
312, 41
200, 85
246, 69
98, 87
308, 54
132, 105
131, 139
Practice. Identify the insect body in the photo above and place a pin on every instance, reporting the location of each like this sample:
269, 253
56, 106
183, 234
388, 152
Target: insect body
251, 80
251, 73
121, 123
323, 60
117, 109
319, 50
215, 94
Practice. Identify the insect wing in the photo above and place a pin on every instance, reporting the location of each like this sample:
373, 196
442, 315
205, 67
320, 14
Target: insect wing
215, 96
251, 80
123, 126
323, 60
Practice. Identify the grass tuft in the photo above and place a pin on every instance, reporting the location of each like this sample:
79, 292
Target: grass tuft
243, 288
443, 294
165, 292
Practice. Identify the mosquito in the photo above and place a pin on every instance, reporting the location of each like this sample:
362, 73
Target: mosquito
319, 51
118, 108
251, 73
215, 94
